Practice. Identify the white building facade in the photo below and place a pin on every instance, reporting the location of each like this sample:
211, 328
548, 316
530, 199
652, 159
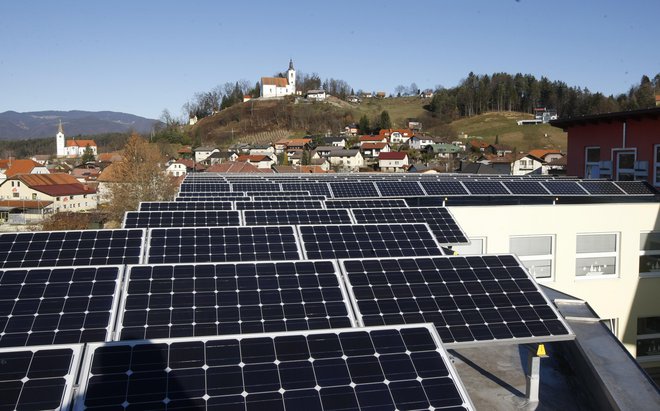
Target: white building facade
272, 87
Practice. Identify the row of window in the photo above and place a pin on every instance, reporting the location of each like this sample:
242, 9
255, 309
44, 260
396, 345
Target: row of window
596, 254
625, 165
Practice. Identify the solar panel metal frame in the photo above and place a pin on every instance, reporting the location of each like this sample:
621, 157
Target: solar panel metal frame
258, 194
237, 194
431, 188
593, 187
248, 223
493, 183
625, 186
74, 368
469, 344
255, 187
313, 187
140, 256
293, 197
112, 318
509, 185
185, 205
147, 248
414, 209
337, 272
229, 214
572, 185
288, 205
365, 203
355, 193
213, 199
88, 359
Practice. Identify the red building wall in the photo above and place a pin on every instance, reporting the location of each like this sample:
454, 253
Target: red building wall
641, 134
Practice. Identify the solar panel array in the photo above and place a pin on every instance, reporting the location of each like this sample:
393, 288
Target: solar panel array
189, 218
282, 217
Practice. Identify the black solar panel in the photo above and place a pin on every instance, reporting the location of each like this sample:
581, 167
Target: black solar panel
199, 218
38, 378
204, 187
484, 187
366, 203
399, 188
258, 194
212, 199
71, 248
442, 224
42, 306
373, 368
372, 240
525, 187
347, 190
255, 187
281, 204
469, 299
287, 217
220, 244
601, 188
211, 194
165, 301
291, 197
564, 188
444, 188
311, 187
184, 206
635, 188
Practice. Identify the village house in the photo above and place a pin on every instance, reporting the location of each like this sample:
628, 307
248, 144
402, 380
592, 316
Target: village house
479, 145
202, 153
420, 142
396, 136
219, 157
323, 151
372, 139
353, 99
372, 150
12, 167
335, 141
393, 162
316, 95
499, 149
258, 160
264, 150
346, 160
351, 130
234, 167
443, 150
526, 164
176, 169
86, 173
64, 191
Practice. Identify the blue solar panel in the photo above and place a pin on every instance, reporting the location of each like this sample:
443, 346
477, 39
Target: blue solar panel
399, 189
347, 190
444, 188
184, 206
564, 188
525, 187
484, 187
601, 188
192, 218
287, 217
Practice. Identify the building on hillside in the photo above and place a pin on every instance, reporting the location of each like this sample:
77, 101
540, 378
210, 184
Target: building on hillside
346, 160
201, 153
236, 167
622, 146
64, 191
279, 86
72, 148
316, 95
336, 141
443, 150
393, 162
257, 160
397, 136
176, 169
372, 139
11, 167
372, 150
499, 149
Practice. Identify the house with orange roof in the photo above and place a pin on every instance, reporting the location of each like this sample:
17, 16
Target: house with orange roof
236, 167
372, 150
547, 155
25, 166
396, 136
64, 191
372, 139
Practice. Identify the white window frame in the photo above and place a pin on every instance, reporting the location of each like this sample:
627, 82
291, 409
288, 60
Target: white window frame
592, 163
615, 158
642, 253
606, 254
656, 165
536, 257
483, 245
654, 336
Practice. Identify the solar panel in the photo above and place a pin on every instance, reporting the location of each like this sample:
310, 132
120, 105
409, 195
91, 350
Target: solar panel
212, 199
564, 188
258, 194
41, 306
635, 188
38, 378
469, 299
184, 206
291, 197
311, 187
281, 204
288, 217
525, 187
399, 188
601, 188
220, 244
192, 218
204, 187
366, 203
444, 188
442, 224
368, 369
71, 248
371, 240
484, 187
343, 190
163, 301
255, 187
212, 194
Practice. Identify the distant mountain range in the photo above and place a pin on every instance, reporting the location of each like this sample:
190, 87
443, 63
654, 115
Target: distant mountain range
40, 124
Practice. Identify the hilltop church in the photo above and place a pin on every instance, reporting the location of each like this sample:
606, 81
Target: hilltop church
279, 86
72, 148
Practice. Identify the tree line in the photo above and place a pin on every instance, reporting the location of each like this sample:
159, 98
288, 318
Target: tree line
477, 94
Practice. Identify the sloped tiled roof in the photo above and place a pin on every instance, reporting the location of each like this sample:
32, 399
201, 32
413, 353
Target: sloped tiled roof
80, 143
235, 167
253, 158
57, 184
109, 157
21, 167
372, 138
541, 153
392, 155
274, 81
371, 146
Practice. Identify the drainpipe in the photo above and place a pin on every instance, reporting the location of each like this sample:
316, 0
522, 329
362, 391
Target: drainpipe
624, 134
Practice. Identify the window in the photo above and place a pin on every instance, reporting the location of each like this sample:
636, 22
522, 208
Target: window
34, 196
592, 157
477, 246
656, 163
648, 336
625, 165
536, 253
596, 255
15, 195
649, 253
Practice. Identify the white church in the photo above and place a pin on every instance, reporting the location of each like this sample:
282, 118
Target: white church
72, 148
279, 86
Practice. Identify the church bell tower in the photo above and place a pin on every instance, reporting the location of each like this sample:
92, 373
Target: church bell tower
59, 140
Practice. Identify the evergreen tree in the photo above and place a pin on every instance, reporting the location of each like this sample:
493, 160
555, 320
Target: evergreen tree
363, 124
88, 155
385, 121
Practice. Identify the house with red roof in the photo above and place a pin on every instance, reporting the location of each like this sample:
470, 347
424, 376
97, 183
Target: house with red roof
64, 191
236, 167
373, 139
12, 167
393, 162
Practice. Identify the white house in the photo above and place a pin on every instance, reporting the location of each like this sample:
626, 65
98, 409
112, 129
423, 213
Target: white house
72, 148
419, 142
372, 150
202, 153
64, 191
264, 150
279, 86
394, 161
259, 161
527, 164
346, 160
336, 141
316, 95
176, 169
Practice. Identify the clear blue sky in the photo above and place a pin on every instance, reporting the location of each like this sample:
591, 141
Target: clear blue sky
141, 57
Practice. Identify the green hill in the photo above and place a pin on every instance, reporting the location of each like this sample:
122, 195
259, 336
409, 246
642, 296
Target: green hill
263, 121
